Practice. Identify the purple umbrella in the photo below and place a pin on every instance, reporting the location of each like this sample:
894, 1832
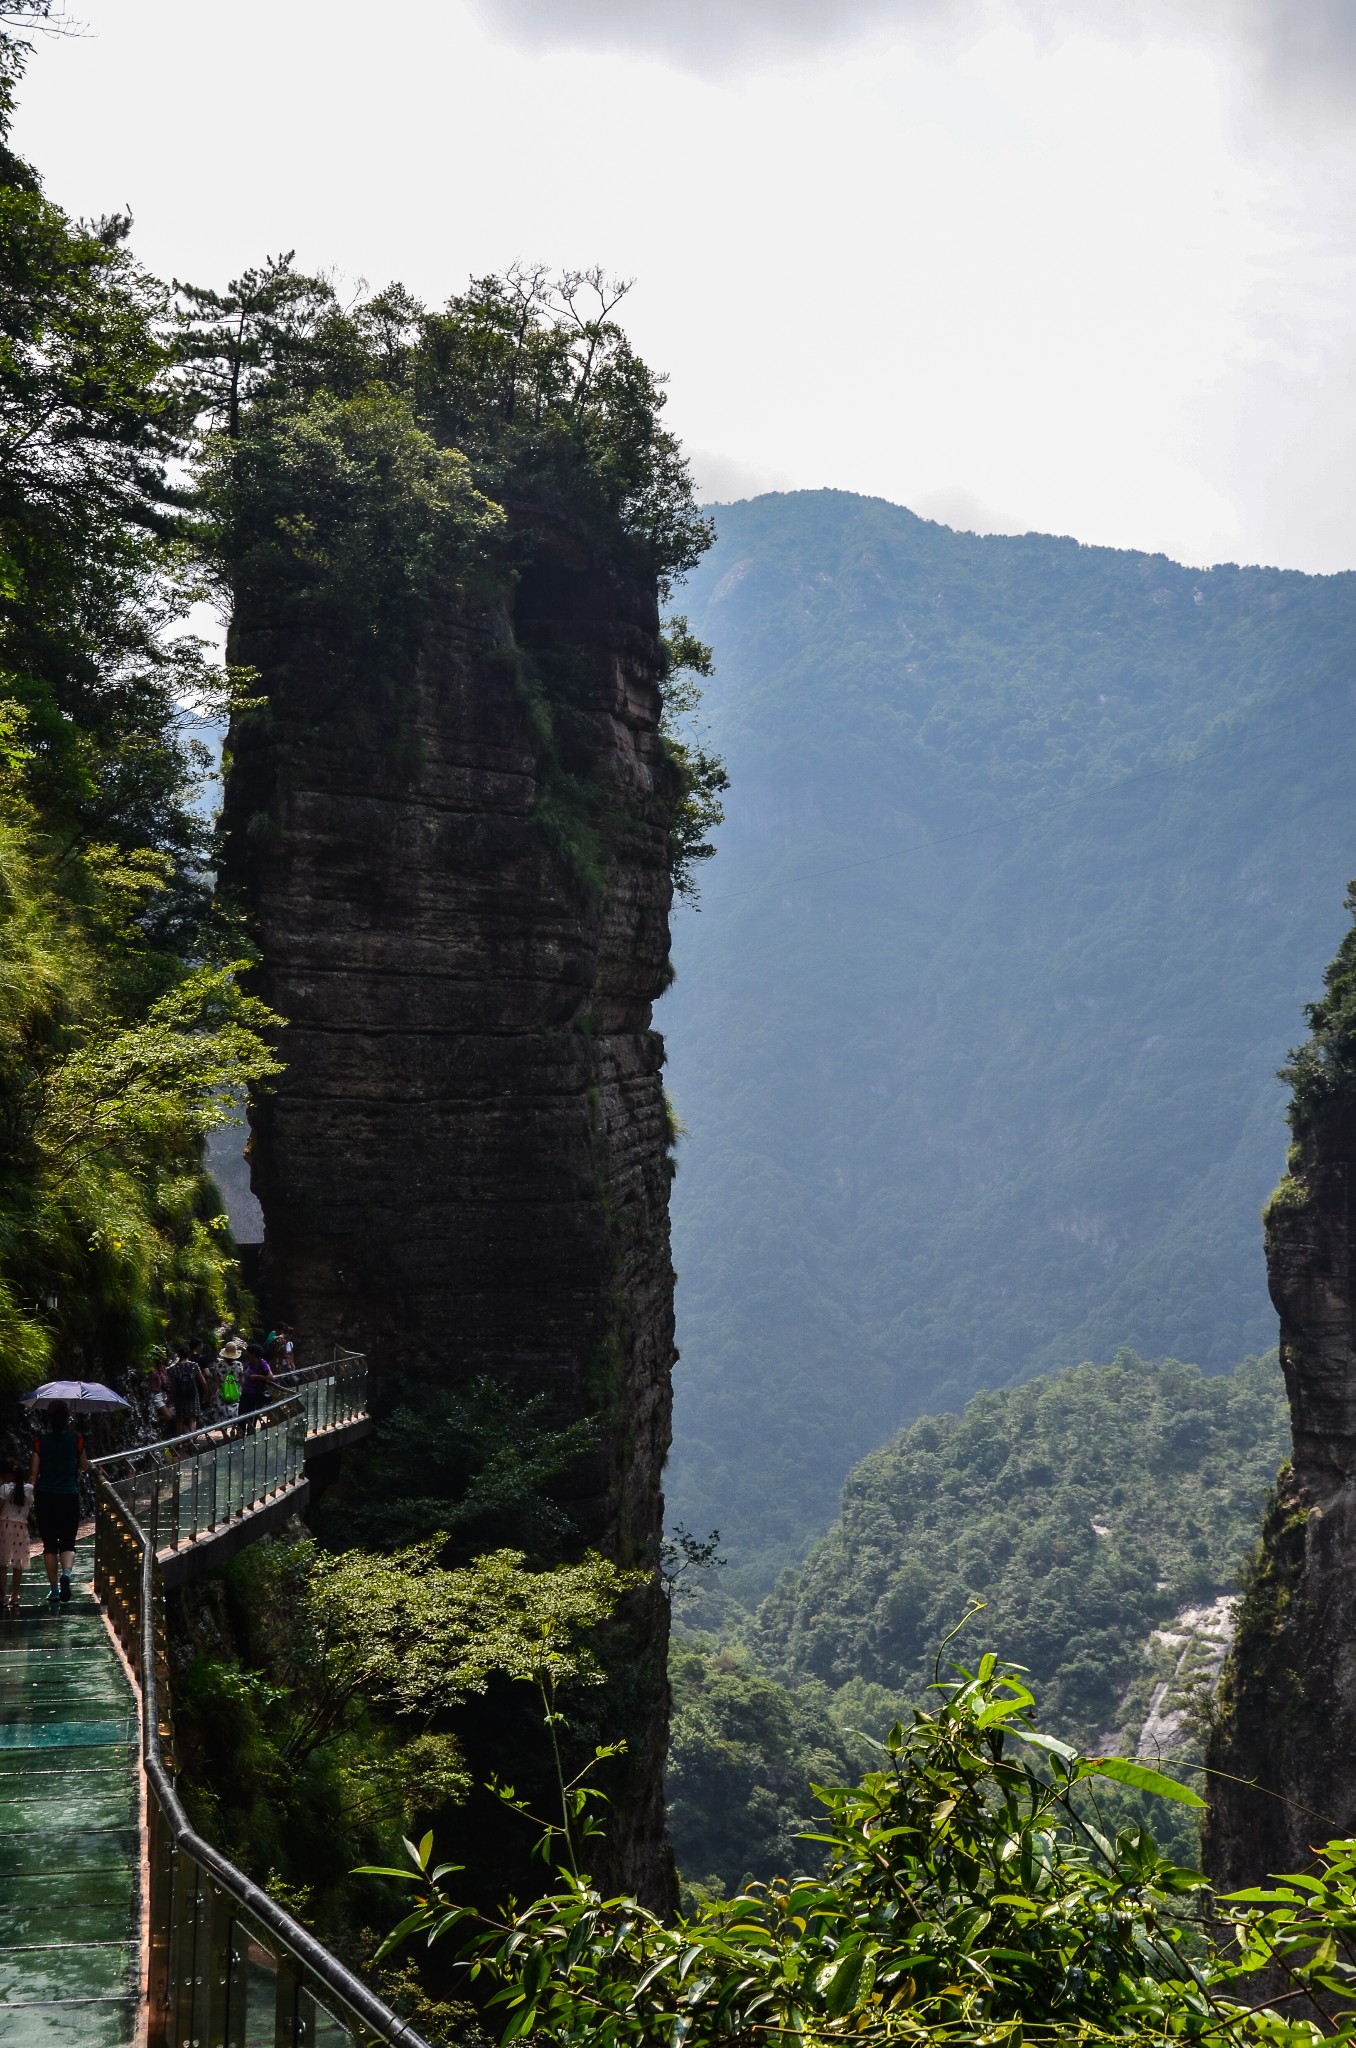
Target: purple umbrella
88, 1395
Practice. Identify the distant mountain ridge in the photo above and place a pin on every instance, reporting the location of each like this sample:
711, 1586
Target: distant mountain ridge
1034, 852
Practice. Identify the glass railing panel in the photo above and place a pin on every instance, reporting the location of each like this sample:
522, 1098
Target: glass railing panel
321, 2027
181, 1945
217, 1967
216, 1973
257, 1991
166, 1504
161, 1860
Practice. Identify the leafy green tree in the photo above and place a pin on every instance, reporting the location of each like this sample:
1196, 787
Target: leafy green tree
743, 1755
475, 1462
122, 1032
701, 773
329, 1708
233, 344
974, 1891
411, 1634
1322, 1072
345, 518
525, 378
362, 466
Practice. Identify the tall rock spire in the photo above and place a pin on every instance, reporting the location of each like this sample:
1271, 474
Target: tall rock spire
460, 889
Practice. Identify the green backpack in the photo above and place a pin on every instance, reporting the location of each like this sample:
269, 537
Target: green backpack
230, 1388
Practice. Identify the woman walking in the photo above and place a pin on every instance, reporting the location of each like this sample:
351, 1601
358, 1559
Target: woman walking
257, 1374
16, 1498
58, 1460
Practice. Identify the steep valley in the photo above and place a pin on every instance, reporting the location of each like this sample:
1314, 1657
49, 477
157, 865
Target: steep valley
1092, 1528
975, 1035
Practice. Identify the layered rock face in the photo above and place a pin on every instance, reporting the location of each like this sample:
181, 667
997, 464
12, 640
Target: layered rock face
460, 888
1288, 1698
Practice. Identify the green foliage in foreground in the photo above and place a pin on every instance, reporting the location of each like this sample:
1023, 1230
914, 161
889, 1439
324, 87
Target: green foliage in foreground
336, 1723
1087, 1511
972, 1894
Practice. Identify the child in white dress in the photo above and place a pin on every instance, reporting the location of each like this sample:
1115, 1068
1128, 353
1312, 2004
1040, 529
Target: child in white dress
16, 1498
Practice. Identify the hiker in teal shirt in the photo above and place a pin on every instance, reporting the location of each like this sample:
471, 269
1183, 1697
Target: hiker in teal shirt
58, 1460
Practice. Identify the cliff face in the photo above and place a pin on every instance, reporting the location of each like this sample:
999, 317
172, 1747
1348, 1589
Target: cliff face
461, 893
1289, 1693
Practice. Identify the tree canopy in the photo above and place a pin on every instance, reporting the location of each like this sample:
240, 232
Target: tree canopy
123, 1033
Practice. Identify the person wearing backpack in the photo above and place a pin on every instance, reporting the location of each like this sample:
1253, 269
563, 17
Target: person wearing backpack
229, 1390
59, 1458
189, 1387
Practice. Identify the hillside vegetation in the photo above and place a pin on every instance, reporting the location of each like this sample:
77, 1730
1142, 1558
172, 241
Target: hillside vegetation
123, 1033
1086, 1510
1033, 853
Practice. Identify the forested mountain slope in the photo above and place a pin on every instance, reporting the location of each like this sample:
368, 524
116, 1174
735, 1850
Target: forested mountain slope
1033, 852
1099, 1514
1085, 1510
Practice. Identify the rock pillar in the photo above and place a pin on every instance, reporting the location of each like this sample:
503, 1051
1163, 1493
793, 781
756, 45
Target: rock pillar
459, 885
1288, 1697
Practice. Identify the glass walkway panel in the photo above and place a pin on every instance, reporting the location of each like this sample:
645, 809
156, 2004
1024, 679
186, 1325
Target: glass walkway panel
70, 1827
118, 1924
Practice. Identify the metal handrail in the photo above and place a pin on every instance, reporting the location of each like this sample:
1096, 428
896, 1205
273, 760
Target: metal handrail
139, 1635
335, 1364
349, 1365
203, 1438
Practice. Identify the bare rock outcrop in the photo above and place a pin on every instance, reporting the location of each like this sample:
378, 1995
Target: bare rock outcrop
1287, 1730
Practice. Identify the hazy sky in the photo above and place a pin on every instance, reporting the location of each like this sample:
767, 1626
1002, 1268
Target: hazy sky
1007, 261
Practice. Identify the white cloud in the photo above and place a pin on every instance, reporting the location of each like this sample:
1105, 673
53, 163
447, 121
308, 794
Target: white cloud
953, 505
1084, 276
720, 479
710, 35
1301, 50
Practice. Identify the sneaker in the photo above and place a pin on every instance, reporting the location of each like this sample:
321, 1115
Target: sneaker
65, 1592
54, 1598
